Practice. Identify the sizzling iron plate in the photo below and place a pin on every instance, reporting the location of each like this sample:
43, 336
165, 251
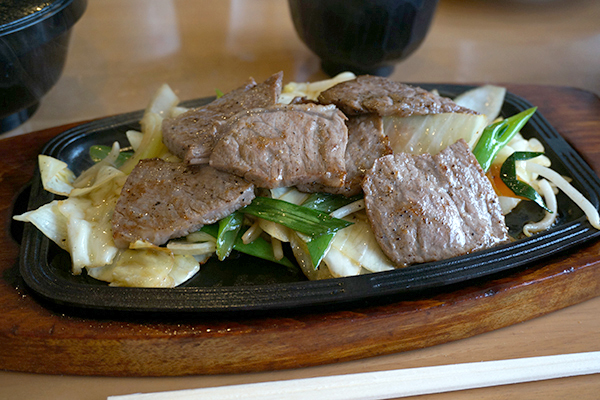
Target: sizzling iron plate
248, 284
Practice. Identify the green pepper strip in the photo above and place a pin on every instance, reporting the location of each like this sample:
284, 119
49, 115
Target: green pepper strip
508, 174
229, 228
497, 135
258, 248
317, 248
262, 249
99, 152
310, 222
325, 202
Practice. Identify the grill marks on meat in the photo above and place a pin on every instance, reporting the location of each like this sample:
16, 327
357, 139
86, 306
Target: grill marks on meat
285, 145
374, 94
162, 200
366, 143
425, 208
192, 135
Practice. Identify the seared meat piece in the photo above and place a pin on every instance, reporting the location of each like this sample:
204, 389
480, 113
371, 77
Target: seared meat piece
163, 200
285, 145
193, 134
366, 143
425, 208
302, 100
375, 94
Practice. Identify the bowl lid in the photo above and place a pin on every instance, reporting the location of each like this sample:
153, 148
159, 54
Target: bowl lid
19, 14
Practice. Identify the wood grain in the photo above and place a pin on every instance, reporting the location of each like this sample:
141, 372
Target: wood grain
35, 338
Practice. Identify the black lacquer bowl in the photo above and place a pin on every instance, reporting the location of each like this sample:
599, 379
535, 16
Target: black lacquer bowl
364, 37
34, 39
247, 284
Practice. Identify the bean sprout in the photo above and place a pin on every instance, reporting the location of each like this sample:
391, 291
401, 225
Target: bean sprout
550, 217
583, 203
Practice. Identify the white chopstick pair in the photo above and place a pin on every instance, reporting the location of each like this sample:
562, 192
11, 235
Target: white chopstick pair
396, 383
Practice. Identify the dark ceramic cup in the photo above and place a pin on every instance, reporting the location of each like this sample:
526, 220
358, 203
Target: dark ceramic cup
34, 38
362, 36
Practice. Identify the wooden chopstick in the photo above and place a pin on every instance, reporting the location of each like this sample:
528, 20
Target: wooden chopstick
396, 383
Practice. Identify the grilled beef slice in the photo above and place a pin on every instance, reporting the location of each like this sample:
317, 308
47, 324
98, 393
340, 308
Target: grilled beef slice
285, 145
192, 135
366, 143
425, 208
162, 200
375, 94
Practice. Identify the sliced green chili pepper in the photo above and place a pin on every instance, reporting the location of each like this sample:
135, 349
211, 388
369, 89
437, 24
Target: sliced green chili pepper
229, 228
99, 152
497, 135
317, 248
328, 202
258, 248
301, 219
508, 174
325, 202
212, 229
262, 249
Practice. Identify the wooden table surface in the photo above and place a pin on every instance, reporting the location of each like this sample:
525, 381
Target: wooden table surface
123, 49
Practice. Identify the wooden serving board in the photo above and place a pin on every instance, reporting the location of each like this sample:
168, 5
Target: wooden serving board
35, 337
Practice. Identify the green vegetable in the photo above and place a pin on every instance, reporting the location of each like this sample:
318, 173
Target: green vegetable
324, 202
219, 93
152, 143
508, 174
212, 229
317, 248
99, 152
258, 248
229, 228
310, 222
262, 249
497, 135
327, 202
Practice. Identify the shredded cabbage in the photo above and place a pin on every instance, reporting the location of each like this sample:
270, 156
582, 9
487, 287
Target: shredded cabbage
150, 267
486, 100
192, 249
81, 223
50, 221
134, 138
56, 176
339, 265
151, 144
89, 175
355, 248
432, 133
